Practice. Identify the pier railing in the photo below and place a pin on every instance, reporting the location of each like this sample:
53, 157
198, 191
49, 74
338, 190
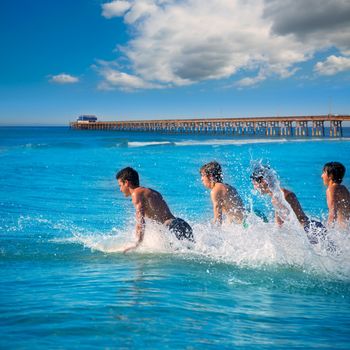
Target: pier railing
265, 126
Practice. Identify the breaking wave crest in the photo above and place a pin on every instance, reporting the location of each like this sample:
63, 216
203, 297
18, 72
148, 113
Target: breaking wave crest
258, 245
150, 143
224, 142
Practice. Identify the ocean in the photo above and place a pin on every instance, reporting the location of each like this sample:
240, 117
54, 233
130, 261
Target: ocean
63, 222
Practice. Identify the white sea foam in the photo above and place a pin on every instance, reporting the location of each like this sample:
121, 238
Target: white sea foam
261, 244
241, 142
218, 142
149, 143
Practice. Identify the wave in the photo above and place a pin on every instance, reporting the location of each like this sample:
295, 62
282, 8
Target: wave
68, 145
258, 246
110, 143
218, 142
212, 142
235, 142
150, 143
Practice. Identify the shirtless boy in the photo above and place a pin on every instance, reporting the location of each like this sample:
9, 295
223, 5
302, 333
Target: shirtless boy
264, 181
224, 197
338, 196
149, 204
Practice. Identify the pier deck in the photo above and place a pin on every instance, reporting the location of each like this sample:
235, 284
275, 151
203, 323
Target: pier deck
265, 126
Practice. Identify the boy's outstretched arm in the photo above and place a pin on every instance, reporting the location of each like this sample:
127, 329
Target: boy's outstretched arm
217, 206
292, 199
140, 221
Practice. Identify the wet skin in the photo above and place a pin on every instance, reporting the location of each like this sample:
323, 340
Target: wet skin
148, 204
282, 211
338, 202
225, 200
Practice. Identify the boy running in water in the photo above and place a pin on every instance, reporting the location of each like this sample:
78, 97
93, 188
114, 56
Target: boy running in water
338, 196
265, 182
224, 197
149, 204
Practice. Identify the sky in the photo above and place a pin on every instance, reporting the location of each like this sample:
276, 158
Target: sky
162, 59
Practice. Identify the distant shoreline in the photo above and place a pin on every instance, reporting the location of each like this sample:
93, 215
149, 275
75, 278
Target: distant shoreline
33, 125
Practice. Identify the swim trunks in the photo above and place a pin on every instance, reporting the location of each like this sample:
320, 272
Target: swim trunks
181, 229
315, 231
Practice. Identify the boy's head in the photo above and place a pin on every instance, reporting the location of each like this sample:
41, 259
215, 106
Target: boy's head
127, 178
211, 173
261, 177
334, 171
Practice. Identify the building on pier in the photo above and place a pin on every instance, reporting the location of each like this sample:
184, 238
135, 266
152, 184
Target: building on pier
86, 118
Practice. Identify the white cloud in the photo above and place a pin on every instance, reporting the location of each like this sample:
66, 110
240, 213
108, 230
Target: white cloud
64, 78
177, 43
332, 65
140, 9
249, 81
113, 78
115, 8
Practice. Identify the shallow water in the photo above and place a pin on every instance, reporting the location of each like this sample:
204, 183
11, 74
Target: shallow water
63, 221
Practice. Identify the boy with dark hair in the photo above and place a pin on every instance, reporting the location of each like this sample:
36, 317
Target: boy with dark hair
264, 180
149, 204
338, 196
224, 197
129, 174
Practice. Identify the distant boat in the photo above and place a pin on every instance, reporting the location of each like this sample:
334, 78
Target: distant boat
87, 118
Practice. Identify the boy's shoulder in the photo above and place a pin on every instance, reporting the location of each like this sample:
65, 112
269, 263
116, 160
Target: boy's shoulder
287, 193
337, 189
219, 186
218, 190
139, 189
141, 192
289, 196
223, 190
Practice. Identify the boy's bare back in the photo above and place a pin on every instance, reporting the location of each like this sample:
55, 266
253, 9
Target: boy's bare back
338, 196
228, 200
338, 201
152, 204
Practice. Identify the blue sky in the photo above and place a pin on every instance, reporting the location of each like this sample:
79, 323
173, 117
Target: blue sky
142, 59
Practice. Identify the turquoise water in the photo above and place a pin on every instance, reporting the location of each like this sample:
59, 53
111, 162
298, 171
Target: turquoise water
63, 220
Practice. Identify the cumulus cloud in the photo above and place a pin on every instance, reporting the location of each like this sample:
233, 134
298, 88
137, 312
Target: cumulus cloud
332, 65
113, 78
138, 9
178, 43
115, 8
315, 22
64, 78
250, 81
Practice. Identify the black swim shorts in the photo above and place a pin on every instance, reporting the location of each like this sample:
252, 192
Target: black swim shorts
181, 229
315, 231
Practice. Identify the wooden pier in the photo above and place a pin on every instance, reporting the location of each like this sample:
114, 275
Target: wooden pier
301, 126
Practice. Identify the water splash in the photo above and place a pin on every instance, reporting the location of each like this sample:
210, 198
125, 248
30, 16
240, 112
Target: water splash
258, 245
282, 207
